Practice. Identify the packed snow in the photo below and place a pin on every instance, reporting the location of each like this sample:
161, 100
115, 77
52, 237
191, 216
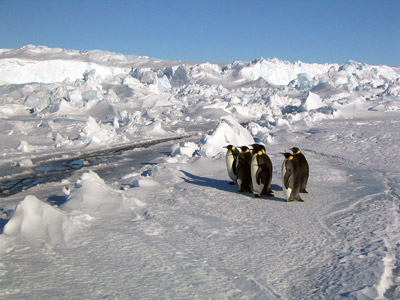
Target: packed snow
114, 183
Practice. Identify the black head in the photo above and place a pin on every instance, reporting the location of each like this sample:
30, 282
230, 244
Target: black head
244, 148
287, 155
295, 150
255, 147
258, 147
230, 147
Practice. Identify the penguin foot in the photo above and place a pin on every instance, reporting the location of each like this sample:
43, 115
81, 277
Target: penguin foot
245, 190
294, 200
257, 195
303, 191
232, 183
269, 194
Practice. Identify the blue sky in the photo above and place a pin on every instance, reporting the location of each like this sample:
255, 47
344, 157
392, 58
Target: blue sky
211, 30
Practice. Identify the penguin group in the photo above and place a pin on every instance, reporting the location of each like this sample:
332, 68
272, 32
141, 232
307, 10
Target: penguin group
251, 170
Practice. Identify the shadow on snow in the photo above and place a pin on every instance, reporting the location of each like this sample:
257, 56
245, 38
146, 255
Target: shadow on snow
3, 223
224, 185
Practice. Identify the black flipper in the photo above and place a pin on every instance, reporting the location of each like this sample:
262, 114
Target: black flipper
259, 174
286, 178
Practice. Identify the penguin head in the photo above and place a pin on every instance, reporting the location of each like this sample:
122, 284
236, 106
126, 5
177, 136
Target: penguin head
262, 148
287, 155
230, 147
244, 148
295, 150
257, 148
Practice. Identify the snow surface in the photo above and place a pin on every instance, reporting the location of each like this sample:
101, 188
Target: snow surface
143, 209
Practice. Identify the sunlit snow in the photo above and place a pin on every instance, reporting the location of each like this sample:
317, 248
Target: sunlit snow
114, 185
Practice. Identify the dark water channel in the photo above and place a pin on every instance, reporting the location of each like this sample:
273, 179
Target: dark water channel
57, 170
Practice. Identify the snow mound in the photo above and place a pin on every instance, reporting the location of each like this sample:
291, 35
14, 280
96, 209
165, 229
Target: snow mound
90, 195
143, 182
393, 88
260, 133
154, 129
187, 148
25, 147
25, 163
39, 222
47, 65
20, 71
313, 101
97, 133
228, 131
305, 81
280, 72
183, 152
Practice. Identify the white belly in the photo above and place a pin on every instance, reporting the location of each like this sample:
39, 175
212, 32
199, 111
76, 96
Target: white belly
239, 183
229, 163
257, 188
287, 191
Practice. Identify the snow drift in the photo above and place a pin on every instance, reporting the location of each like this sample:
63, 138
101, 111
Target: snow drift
90, 195
39, 222
228, 132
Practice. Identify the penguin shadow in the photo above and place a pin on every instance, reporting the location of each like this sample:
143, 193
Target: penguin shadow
218, 184
224, 185
276, 187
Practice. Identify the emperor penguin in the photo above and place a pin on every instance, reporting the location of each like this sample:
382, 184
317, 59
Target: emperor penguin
304, 168
291, 178
261, 171
231, 157
243, 172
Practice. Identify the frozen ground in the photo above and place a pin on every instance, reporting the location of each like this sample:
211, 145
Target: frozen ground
160, 220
